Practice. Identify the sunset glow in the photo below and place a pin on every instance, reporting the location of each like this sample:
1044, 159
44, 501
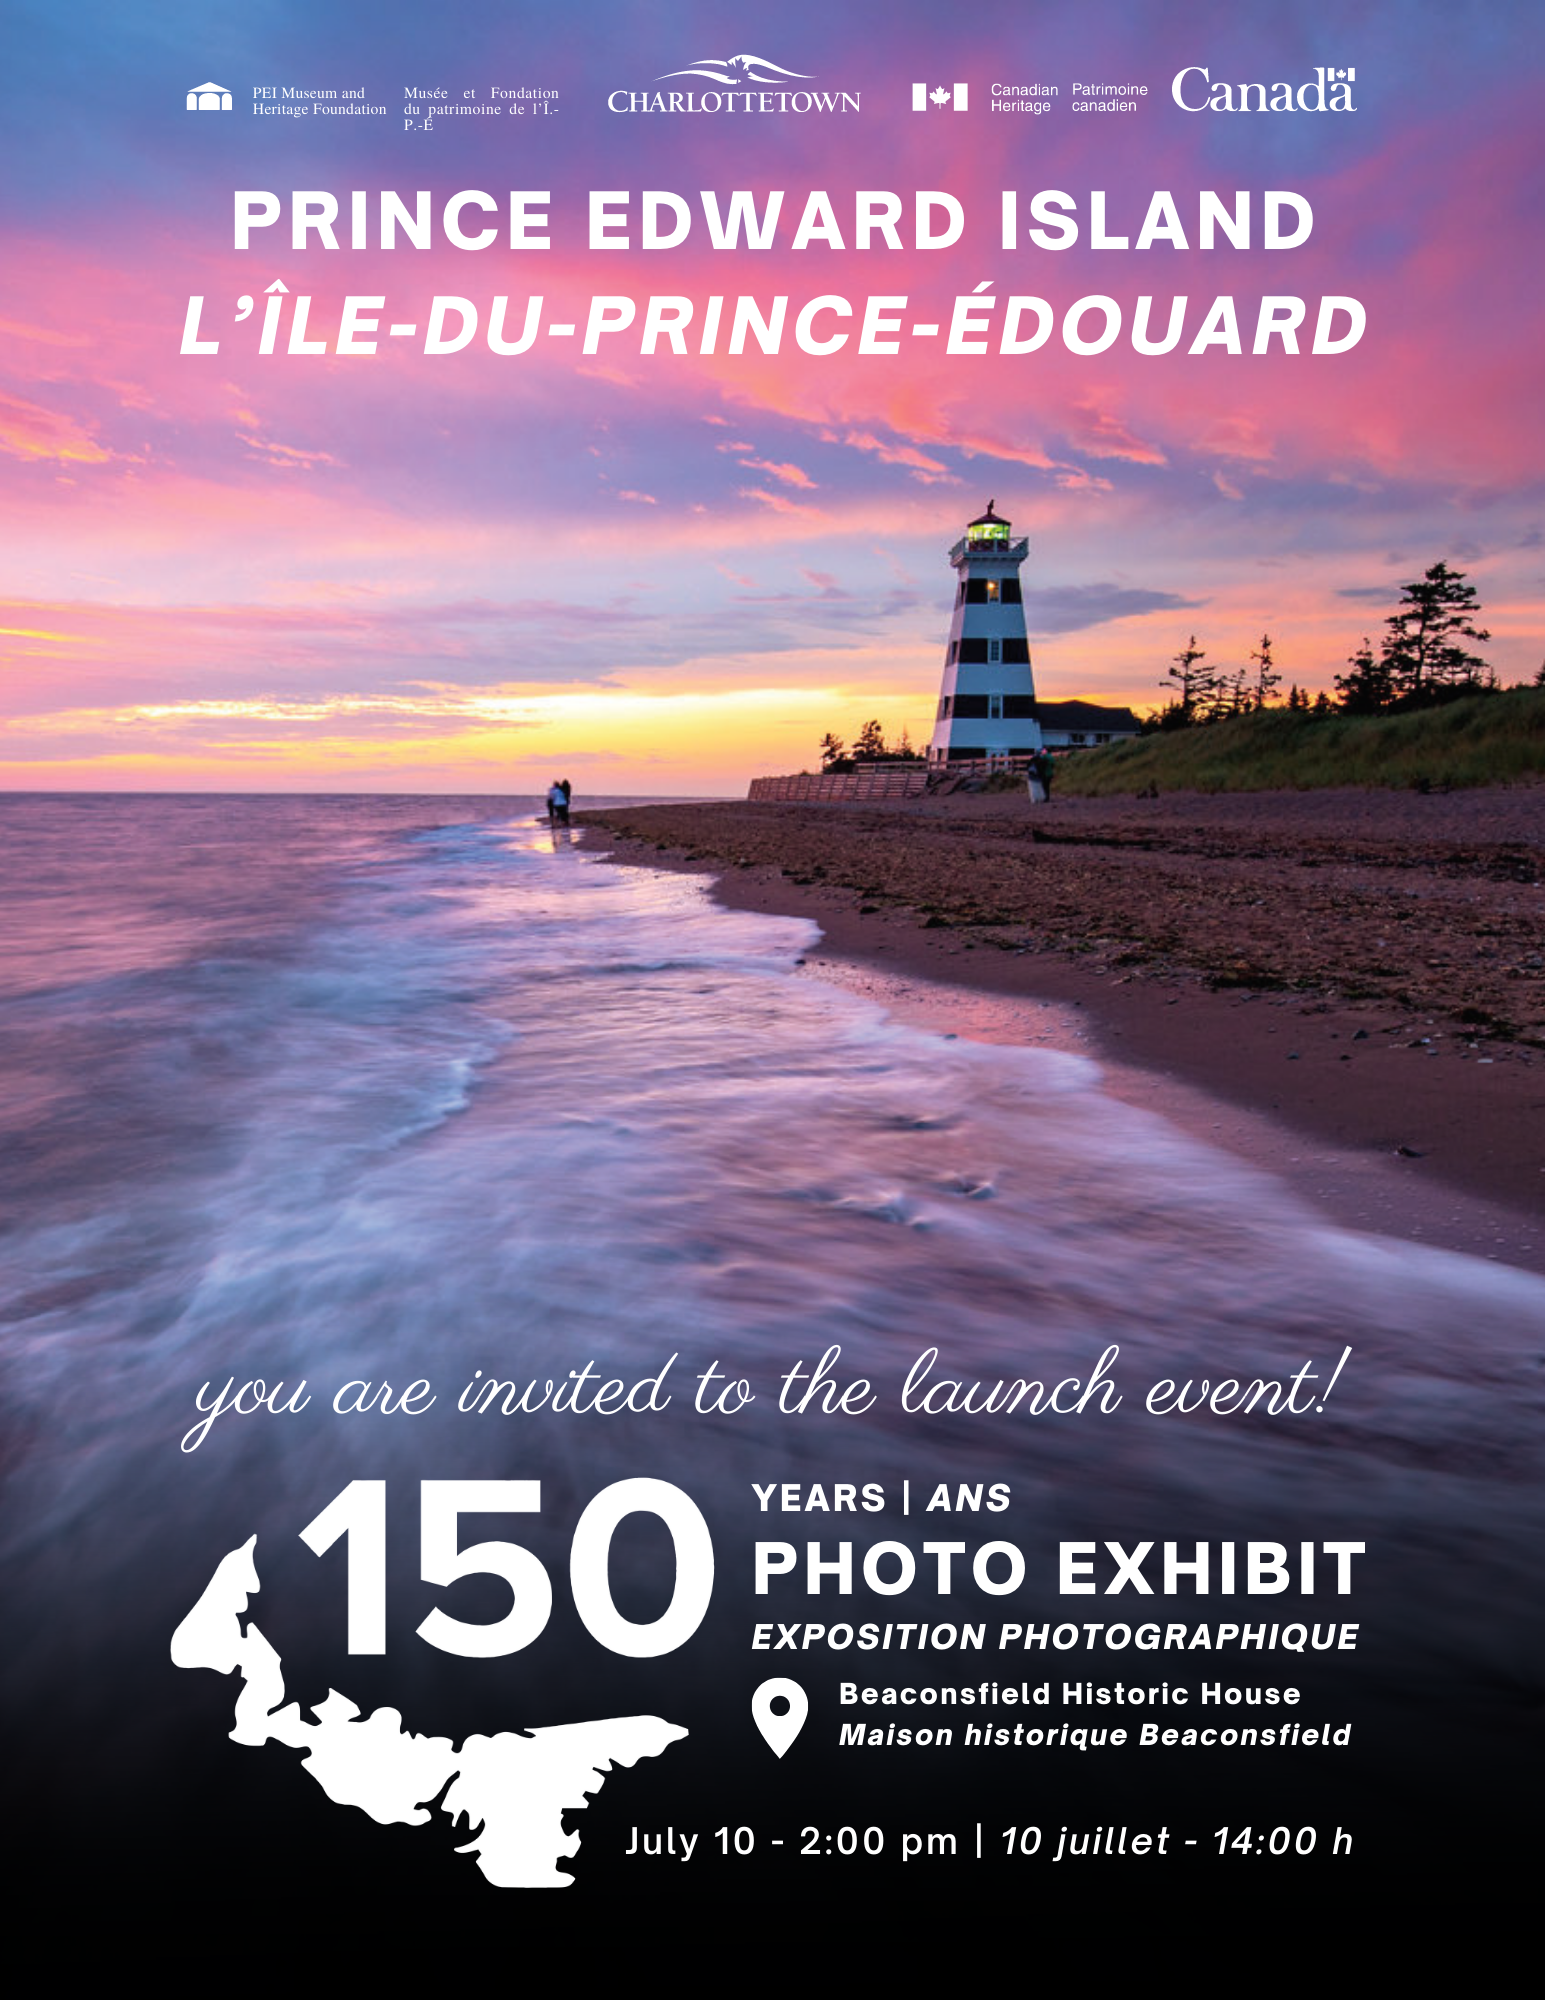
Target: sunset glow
677, 569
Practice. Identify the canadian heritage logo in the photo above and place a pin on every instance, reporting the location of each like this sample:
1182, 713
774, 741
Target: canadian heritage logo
955, 97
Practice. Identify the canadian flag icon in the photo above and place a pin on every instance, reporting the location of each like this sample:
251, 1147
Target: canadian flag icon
941, 95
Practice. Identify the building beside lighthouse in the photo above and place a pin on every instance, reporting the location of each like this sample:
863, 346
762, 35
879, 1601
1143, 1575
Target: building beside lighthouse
987, 696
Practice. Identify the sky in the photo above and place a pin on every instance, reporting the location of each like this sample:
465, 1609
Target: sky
663, 572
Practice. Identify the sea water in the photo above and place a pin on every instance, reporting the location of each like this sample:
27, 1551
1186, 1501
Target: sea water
382, 1091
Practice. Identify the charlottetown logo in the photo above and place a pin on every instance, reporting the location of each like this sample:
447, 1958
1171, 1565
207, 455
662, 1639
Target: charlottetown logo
1330, 90
737, 71
742, 84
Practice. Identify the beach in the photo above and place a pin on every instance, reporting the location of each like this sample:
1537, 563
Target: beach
1347, 987
491, 1162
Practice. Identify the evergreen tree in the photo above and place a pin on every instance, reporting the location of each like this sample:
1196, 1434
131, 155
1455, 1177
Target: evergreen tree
1421, 648
870, 742
1220, 695
832, 747
1267, 679
1369, 687
1192, 682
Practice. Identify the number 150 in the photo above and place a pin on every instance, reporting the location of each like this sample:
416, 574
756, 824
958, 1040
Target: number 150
359, 1513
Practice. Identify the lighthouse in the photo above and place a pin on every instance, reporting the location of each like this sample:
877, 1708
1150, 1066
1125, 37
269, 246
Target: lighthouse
987, 695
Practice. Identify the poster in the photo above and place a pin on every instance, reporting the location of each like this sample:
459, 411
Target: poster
514, 1403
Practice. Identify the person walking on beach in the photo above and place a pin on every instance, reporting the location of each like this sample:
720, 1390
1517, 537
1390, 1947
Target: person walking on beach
1040, 777
558, 803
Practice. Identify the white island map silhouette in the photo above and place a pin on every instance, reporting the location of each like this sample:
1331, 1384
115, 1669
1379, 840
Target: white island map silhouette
513, 1789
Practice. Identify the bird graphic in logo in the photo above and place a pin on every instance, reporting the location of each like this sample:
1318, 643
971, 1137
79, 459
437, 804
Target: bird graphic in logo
735, 71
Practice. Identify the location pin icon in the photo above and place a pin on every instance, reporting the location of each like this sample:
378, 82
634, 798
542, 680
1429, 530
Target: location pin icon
779, 1731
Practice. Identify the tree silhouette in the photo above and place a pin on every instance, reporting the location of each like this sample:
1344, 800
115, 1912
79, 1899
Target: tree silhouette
1267, 679
1190, 680
832, 747
870, 741
1421, 647
1369, 687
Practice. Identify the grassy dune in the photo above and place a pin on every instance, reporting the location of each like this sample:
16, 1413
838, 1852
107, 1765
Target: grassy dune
1486, 740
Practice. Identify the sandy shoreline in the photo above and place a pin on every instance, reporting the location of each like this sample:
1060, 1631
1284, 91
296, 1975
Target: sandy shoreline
1382, 1107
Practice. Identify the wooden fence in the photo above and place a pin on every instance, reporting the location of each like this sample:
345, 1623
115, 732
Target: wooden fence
883, 781
868, 781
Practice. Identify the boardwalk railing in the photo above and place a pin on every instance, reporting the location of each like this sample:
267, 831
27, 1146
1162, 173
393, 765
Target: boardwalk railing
979, 767
883, 781
868, 781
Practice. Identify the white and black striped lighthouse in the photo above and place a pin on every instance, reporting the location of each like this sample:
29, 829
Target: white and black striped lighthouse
987, 696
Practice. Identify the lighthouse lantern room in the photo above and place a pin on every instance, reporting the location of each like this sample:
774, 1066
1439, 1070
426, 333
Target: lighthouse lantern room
987, 696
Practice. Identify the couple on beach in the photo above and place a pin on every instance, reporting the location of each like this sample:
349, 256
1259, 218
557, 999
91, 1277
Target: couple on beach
559, 792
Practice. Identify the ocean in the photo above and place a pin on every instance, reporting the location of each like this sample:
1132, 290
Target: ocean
383, 1091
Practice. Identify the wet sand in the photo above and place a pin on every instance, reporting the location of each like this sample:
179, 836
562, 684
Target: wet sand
1347, 988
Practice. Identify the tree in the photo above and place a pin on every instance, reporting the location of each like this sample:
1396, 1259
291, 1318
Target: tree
1219, 694
832, 747
1369, 687
870, 741
1191, 681
1421, 647
1267, 679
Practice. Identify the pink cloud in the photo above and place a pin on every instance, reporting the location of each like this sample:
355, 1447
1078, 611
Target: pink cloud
778, 502
27, 430
1095, 428
286, 456
791, 475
